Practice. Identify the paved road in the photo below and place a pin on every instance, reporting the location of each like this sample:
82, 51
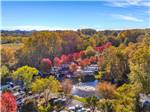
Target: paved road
74, 102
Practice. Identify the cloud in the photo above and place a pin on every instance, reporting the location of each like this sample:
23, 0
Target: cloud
30, 27
26, 27
127, 17
146, 4
126, 3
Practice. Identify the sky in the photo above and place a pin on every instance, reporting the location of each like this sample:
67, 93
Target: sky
72, 15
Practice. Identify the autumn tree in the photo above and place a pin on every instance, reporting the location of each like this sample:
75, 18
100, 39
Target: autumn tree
90, 51
45, 64
8, 102
41, 44
76, 55
99, 38
5, 74
73, 67
101, 48
93, 59
64, 59
92, 102
8, 56
71, 42
101, 63
123, 35
140, 66
131, 35
105, 90
25, 74
47, 86
105, 105
116, 64
67, 86
88, 31
92, 42
85, 62
57, 61
115, 42
125, 98
70, 57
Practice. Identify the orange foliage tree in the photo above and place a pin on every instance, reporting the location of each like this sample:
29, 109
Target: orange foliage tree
73, 67
105, 90
67, 86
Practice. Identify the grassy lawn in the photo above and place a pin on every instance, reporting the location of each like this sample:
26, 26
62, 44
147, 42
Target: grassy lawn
83, 100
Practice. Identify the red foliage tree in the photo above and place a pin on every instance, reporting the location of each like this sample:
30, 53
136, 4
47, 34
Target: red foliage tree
64, 58
8, 102
57, 61
76, 55
47, 61
102, 47
46, 64
79, 55
108, 44
70, 57
82, 53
